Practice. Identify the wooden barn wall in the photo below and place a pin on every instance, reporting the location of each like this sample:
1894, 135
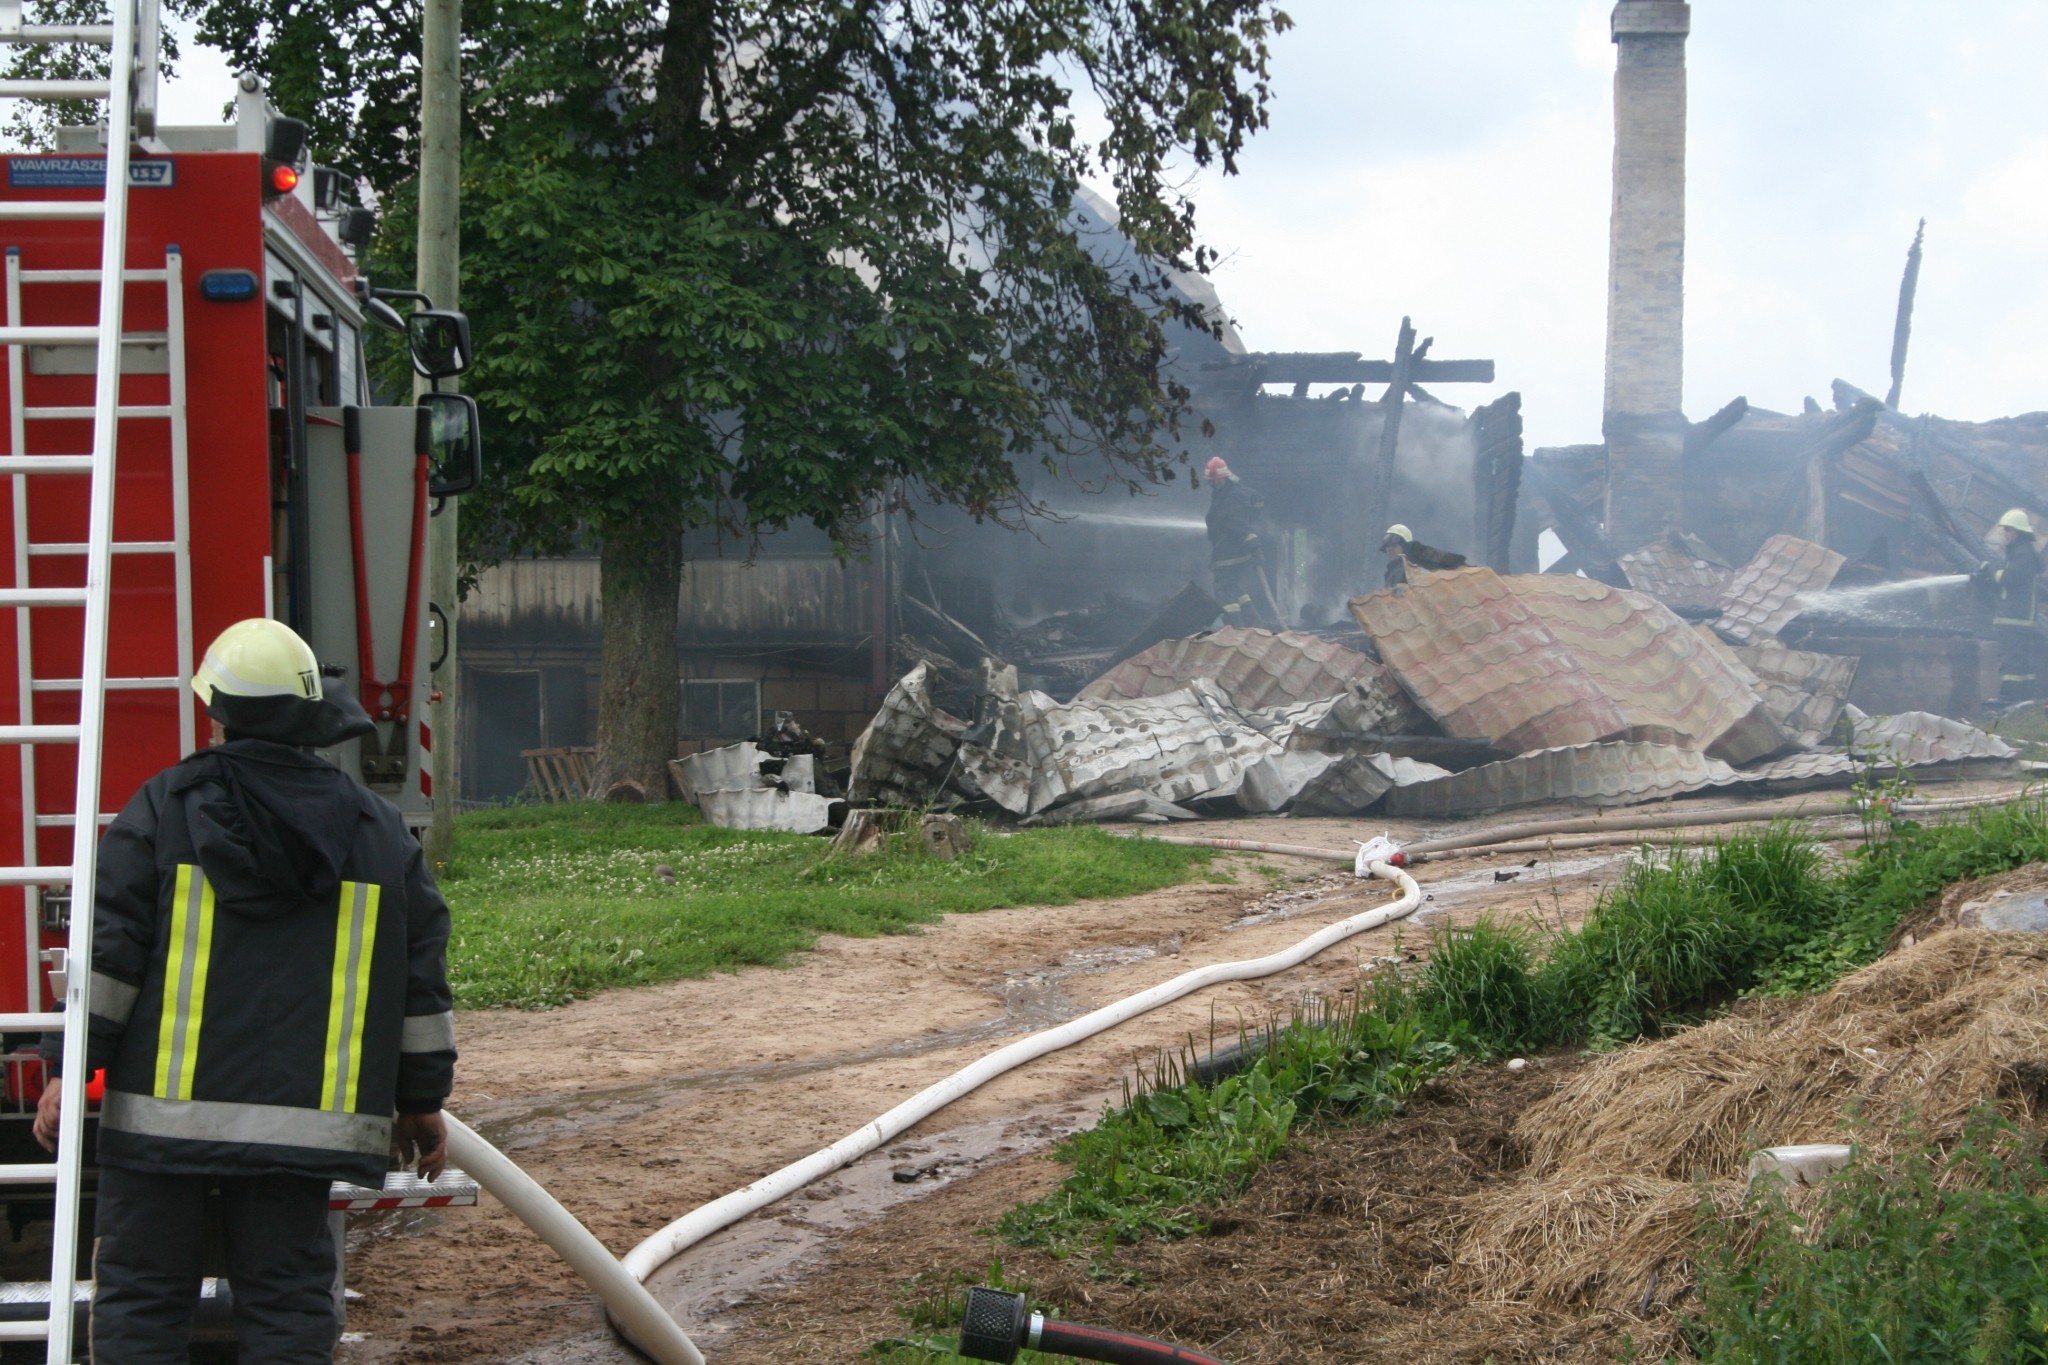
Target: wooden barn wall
811, 599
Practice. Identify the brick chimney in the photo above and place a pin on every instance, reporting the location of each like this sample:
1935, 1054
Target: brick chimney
1646, 274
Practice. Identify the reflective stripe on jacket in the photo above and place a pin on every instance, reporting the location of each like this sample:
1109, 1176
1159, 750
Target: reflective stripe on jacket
269, 974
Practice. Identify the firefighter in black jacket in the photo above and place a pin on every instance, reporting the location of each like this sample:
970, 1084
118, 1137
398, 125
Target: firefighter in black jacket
1237, 558
270, 1001
1402, 549
2011, 586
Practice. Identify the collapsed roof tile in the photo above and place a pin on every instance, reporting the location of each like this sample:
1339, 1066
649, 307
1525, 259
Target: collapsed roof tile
1615, 774
1669, 686
1254, 668
1803, 691
1920, 737
1675, 575
1483, 665
1802, 770
1763, 595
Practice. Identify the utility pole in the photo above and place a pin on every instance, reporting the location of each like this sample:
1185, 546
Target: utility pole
439, 277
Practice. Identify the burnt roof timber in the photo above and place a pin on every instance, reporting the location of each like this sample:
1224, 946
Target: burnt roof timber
1350, 367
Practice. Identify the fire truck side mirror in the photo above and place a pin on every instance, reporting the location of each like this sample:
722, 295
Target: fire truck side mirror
452, 442
440, 342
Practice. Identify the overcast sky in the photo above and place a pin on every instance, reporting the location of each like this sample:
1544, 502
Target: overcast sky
1449, 159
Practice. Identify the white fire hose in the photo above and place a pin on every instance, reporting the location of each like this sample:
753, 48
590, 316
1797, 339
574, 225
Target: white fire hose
642, 1320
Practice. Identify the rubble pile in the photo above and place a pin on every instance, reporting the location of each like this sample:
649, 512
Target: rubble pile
1521, 688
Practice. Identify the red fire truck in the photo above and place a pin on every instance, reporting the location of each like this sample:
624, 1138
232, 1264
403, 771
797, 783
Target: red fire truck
239, 467
256, 477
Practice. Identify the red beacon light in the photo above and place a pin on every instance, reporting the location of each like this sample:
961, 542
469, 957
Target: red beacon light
284, 146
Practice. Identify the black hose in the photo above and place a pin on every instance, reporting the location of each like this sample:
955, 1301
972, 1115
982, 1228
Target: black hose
1117, 1348
997, 1324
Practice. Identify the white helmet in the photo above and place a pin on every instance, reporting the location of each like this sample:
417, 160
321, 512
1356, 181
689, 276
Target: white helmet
258, 658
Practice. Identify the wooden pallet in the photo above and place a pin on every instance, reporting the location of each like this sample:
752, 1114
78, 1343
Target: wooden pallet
561, 774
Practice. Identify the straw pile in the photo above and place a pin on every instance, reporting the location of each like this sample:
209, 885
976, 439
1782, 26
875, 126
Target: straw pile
1621, 1157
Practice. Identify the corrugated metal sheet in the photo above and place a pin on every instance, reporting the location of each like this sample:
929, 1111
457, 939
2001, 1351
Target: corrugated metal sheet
1327, 723
1143, 807
1273, 782
1803, 691
1182, 747
1761, 597
1920, 737
1675, 577
901, 759
768, 808
1029, 753
1255, 668
1668, 685
1804, 770
1485, 666
1355, 781
1598, 774
739, 766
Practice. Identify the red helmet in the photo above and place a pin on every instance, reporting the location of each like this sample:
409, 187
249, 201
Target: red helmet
1216, 471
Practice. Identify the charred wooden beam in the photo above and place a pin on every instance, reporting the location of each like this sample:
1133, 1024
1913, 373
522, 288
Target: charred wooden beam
1591, 551
1700, 435
1496, 435
1349, 367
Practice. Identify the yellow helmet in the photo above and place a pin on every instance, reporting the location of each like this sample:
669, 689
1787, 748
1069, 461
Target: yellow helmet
258, 658
1398, 532
2018, 520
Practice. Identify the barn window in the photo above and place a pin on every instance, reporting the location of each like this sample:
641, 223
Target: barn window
720, 708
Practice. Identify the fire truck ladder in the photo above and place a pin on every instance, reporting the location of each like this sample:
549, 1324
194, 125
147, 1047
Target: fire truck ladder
130, 94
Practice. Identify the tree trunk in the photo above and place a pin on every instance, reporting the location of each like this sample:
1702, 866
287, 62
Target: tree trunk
642, 569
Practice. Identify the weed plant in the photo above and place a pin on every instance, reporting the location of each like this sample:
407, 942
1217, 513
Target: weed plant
1481, 993
1177, 1146
555, 902
1929, 1257
933, 1316
1896, 873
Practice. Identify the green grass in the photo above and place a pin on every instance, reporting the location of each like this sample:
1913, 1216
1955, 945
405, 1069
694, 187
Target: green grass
552, 903
1177, 1147
1680, 937
1929, 1257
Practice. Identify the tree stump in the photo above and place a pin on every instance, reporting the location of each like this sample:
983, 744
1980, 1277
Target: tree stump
865, 831
945, 836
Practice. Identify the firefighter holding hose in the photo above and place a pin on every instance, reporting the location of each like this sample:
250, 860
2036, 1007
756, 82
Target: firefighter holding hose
270, 1002
1237, 557
2011, 587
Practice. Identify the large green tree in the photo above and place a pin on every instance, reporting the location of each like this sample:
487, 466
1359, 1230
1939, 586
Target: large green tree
750, 262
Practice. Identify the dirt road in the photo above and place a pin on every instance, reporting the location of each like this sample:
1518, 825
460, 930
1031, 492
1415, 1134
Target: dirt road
635, 1107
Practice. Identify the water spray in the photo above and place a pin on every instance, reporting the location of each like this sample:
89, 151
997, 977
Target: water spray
1871, 602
